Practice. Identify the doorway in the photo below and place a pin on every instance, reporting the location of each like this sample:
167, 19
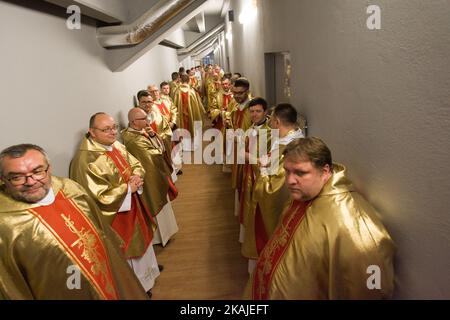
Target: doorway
278, 77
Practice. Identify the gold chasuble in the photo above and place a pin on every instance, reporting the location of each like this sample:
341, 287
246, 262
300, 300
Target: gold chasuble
173, 88
152, 154
190, 107
270, 196
158, 118
247, 204
239, 116
219, 107
172, 117
325, 249
105, 175
195, 84
43, 245
211, 90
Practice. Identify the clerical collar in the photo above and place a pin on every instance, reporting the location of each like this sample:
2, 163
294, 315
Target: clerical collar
134, 130
107, 148
259, 125
48, 199
291, 135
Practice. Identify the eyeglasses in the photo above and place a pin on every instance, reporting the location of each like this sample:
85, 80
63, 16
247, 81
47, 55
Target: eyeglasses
37, 175
108, 130
141, 119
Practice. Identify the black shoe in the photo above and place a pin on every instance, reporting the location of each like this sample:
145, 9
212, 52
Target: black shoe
160, 267
179, 172
149, 293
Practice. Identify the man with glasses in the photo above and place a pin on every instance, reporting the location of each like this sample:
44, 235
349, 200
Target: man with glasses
114, 178
238, 117
158, 120
161, 120
166, 109
158, 189
53, 241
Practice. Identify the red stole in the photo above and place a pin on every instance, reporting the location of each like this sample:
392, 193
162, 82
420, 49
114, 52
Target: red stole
193, 82
163, 109
81, 241
154, 127
239, 118
275, 249
185, 109
124, 223
218, 123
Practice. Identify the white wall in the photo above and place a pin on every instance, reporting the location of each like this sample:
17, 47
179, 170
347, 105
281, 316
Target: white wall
381, 101
177, 37
135, 8
53, 79
246, 49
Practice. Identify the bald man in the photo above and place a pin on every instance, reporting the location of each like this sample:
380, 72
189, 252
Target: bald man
159, 117
159, 190
114, 178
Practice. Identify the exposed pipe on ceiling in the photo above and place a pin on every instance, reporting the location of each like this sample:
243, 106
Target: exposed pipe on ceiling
142, 28
204, 47
213, 33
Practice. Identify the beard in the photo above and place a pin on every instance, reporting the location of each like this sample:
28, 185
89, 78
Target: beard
36, 195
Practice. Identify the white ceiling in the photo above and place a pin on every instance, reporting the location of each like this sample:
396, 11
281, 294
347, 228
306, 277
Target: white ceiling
213, 7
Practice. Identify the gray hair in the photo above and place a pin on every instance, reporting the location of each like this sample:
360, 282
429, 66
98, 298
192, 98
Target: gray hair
18, 151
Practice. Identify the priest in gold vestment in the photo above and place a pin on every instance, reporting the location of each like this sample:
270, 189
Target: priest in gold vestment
270, 195
237, 117
158, 189
53, 241
159, 118
174, 84
257, 144
165, 106
114, 178
330, 243
190, 110
220, 103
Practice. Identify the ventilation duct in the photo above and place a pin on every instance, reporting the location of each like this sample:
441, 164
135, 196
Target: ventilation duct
205, 51
213, 33
144, 27
204, 47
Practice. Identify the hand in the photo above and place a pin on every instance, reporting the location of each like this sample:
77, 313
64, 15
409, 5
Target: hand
263, 161
150, 131
135, 183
